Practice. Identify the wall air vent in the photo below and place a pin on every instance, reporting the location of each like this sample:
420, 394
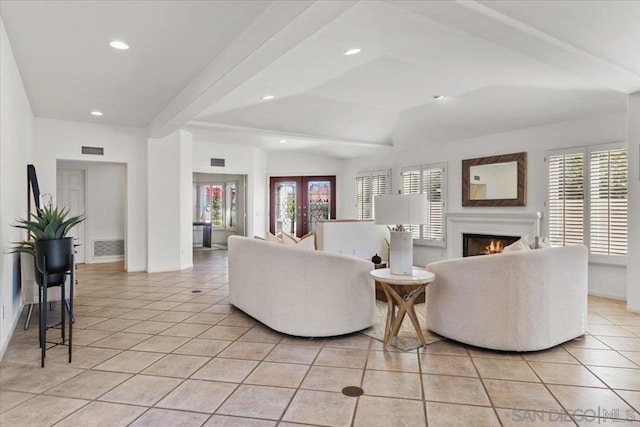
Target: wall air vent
108, 248
96, 151
217, 162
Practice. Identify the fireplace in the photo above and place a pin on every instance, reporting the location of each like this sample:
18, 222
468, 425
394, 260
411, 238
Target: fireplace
485, 244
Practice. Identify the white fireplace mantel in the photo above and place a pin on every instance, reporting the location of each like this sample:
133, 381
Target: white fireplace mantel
505, 224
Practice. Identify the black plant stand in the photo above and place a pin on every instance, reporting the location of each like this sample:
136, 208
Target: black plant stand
43, 307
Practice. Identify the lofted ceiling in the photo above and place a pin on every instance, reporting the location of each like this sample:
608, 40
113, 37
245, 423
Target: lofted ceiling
205, 65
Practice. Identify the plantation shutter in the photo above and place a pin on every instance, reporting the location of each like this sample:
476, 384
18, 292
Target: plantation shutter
432, 180
427, 180
566, 198
608, 202
411, 185
370, 184
363, 203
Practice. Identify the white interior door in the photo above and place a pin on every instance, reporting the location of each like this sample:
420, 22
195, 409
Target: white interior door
70, 189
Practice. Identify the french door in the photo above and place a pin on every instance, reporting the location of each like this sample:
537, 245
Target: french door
297, 203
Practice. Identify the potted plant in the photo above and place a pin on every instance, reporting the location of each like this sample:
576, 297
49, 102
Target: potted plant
48, 241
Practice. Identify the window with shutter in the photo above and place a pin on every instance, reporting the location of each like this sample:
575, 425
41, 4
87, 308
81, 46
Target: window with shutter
566, 198
608, 202
587, 199
411, 185
370, 184
429, 180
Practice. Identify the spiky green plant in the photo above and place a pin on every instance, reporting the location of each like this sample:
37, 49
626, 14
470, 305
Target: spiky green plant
48, 223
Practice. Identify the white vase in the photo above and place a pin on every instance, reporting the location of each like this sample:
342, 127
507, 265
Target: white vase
401, 253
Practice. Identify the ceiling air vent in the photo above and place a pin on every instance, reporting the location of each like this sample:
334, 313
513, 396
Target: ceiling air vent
96, 151
217, 162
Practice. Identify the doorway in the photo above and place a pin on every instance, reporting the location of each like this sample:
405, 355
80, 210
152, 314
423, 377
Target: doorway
98, 190
297, 203
219, 209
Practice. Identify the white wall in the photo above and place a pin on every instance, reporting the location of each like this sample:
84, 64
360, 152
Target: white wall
291, 163
62, 140
633, 258
105, 204
16, 126
169, 204
535, 141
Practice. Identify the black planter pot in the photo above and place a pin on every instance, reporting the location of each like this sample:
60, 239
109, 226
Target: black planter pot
57, 254
54, 279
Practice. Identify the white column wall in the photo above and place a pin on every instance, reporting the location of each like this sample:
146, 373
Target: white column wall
16, 134
633, 256
258, 209
186, 199
169, 176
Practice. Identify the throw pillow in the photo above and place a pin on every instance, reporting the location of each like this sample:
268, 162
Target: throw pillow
308, 241
288, 239
273, 238
543, 242
540, 243
519, 245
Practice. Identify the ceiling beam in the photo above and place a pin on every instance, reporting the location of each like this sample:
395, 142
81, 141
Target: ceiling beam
281, 134
282, 26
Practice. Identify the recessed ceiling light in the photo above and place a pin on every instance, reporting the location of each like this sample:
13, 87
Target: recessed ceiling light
283, 141
96, 113
120, 45
437, 97
268, 97
352, 51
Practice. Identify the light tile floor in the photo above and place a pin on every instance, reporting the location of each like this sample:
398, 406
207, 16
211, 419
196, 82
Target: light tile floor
168, 349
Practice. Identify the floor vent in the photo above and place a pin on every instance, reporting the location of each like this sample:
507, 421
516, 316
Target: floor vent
96, 151
352, 391
108, 248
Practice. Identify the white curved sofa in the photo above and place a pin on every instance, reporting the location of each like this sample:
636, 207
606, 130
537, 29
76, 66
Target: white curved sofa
516, 301
300, 292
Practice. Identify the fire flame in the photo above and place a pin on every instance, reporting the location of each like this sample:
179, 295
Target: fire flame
495, 247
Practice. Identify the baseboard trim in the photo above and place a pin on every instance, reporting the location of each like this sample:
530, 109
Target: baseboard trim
13, 328
607, 295
633, 309
104, 260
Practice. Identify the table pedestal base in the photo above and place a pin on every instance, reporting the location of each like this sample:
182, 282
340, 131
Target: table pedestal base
397, 297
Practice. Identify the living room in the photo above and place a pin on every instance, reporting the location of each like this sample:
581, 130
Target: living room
269, 88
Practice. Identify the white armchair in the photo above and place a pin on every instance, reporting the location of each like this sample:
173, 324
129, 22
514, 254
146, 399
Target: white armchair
300, 292
516, 301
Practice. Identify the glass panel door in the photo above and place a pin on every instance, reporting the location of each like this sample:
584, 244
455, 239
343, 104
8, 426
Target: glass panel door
284, 207
318, 204
297, 203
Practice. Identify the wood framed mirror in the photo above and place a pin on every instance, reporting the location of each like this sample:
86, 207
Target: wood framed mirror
495, 180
